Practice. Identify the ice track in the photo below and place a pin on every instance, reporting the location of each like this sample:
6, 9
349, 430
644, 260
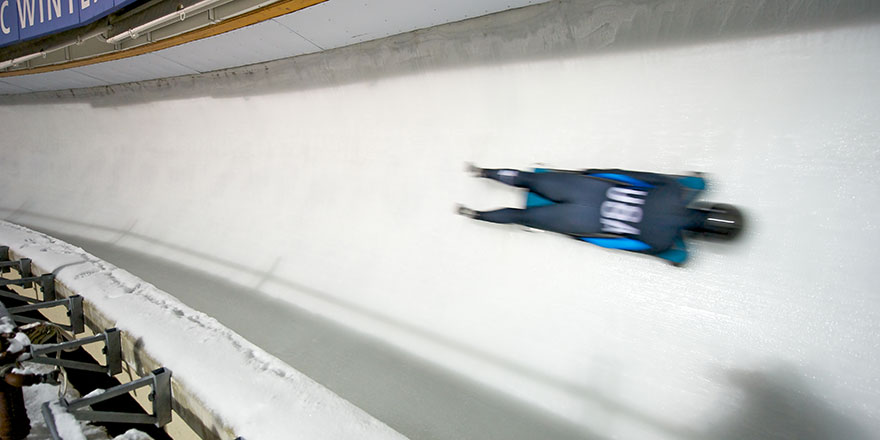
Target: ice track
314, 204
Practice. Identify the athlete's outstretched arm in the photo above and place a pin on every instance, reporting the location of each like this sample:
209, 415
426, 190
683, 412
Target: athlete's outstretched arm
646, 177
691, 185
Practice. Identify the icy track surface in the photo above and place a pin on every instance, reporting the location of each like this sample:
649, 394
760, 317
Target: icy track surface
218, 365
336, 194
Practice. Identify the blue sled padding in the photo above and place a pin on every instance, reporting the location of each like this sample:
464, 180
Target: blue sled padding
533, 200
693, 182
626, 244
676, 254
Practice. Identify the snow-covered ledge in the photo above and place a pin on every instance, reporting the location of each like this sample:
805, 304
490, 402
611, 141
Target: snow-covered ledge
224, 386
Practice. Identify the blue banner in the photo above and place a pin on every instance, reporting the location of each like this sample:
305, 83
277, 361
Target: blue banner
8, 22
43, 17
90, 9
22, 20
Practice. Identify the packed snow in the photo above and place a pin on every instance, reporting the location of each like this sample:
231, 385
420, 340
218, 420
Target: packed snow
68, 427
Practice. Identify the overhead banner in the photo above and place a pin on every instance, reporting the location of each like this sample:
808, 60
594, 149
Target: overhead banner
22, 20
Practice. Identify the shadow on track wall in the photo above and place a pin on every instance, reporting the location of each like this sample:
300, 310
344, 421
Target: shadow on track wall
558, 29
776, 404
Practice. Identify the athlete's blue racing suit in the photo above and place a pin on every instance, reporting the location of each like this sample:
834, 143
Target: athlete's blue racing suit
618, 209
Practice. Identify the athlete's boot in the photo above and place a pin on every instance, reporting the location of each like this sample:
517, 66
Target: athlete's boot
474, 170
465, 211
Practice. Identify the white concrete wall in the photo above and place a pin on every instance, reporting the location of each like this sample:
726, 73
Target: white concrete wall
336, 193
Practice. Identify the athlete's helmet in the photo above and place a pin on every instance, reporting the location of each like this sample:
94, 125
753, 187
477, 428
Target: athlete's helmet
718, 220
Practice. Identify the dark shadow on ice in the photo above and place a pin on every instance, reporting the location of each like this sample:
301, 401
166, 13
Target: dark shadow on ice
777, 404
554, 30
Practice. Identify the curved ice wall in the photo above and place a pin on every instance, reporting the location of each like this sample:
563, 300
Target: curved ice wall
329, 181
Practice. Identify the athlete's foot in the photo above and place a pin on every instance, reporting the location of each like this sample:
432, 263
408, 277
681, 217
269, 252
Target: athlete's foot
473, 169
465, 211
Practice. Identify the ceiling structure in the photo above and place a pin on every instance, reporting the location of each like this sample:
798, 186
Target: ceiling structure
216, 39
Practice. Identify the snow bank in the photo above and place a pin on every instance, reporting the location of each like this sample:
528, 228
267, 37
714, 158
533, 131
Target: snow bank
68, 427
254, 394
